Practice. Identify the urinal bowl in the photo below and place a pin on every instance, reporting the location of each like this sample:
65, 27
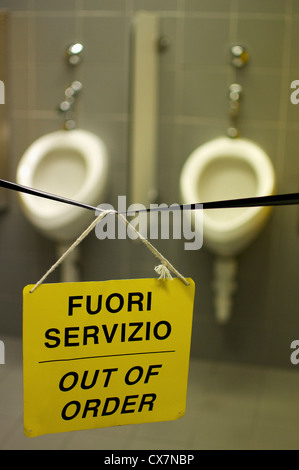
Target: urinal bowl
73, 164
220, 170
228, 169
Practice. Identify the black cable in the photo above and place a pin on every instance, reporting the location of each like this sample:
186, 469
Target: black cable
274, 200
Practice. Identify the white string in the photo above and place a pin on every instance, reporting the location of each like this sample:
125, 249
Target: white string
157, 253
70, 249
162, 270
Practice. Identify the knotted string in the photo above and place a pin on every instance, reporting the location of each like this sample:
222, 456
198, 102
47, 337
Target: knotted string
163, 271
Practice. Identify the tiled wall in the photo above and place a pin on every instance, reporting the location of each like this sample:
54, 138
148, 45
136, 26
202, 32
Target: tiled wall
194, 78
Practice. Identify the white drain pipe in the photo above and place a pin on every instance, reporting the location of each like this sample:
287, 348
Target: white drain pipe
225, 285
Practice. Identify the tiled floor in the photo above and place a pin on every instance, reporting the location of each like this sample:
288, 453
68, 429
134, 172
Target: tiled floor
229, 407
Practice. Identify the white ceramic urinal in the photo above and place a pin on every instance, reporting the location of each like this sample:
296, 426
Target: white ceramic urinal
223, 169
73, 164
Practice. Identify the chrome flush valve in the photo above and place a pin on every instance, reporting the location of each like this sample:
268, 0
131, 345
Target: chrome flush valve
74, 53
239, 56
235, 93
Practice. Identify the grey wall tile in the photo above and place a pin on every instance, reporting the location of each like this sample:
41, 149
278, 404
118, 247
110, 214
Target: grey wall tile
16, 4
264, 39
19, 33
61, 30
18, 94
105, 39
258, 102
202, 47
53, 5
50, 81
294, 56
103, 5
204, 93
263, 6
105, 89
155, 5
168, 95
213, 6
295, 8
171, 28
291, 162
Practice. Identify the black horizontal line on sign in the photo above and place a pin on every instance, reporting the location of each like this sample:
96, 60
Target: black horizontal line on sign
109, 355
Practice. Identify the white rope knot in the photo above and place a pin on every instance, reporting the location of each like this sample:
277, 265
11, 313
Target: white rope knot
164, 272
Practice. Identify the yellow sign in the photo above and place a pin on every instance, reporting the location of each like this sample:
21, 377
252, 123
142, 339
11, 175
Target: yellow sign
105, 353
